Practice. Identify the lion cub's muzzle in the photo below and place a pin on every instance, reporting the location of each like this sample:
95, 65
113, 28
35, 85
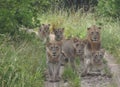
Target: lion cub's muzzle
80, 52
95, 38
54, 54
97, 61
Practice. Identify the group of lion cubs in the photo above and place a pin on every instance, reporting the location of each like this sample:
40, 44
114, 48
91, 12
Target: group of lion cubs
60, 50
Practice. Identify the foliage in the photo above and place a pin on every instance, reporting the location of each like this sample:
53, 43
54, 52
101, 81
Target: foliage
72, 77
21, 64
14, 13
109, 8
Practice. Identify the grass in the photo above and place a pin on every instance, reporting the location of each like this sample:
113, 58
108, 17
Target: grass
22, 66
22, 63
72, 77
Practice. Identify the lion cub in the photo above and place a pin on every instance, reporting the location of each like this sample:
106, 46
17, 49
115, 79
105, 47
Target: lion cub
59, 34
44, 32
54, 55
72, 48
96, 63
98, 59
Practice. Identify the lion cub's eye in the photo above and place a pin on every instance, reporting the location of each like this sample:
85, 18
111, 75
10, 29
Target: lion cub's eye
57, 48
77, 45
56, 31
95, 56
51, 47
101, 56
92, 32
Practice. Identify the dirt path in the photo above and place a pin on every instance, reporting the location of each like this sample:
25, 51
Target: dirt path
115, 68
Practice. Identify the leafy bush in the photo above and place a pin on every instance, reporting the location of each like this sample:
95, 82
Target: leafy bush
14, 13
109, 8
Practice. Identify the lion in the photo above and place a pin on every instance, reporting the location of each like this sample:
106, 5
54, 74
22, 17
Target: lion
59, 34
98, 61
93, 38
99, 65
44, 32
54, 55
71, 48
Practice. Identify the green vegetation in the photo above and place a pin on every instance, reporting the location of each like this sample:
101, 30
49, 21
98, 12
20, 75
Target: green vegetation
72, 77
21, 64
109, 8
22, 56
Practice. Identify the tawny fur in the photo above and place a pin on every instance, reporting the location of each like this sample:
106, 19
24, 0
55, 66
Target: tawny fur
71, 48
54, 55
44, 32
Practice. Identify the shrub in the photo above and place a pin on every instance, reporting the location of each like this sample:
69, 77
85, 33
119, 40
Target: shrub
109, 8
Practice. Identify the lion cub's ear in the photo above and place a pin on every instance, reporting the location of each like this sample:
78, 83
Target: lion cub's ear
48, 44
75, 40
102, 51
54, 29
43, 24
88, 28
48, 24
99, 27
85, 41
62, 29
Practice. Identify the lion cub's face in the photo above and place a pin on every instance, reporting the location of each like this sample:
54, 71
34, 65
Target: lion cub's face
79, 46
94, 33
98, 56
58, 33
44, 29
54, 49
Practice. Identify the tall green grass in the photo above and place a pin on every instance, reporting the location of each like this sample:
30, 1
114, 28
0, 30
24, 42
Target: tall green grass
22, 66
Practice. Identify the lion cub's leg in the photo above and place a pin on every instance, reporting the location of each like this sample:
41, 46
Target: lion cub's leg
81, 63
54, 69
51, 71
64, 59
87, 66
56, 72
72, 62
